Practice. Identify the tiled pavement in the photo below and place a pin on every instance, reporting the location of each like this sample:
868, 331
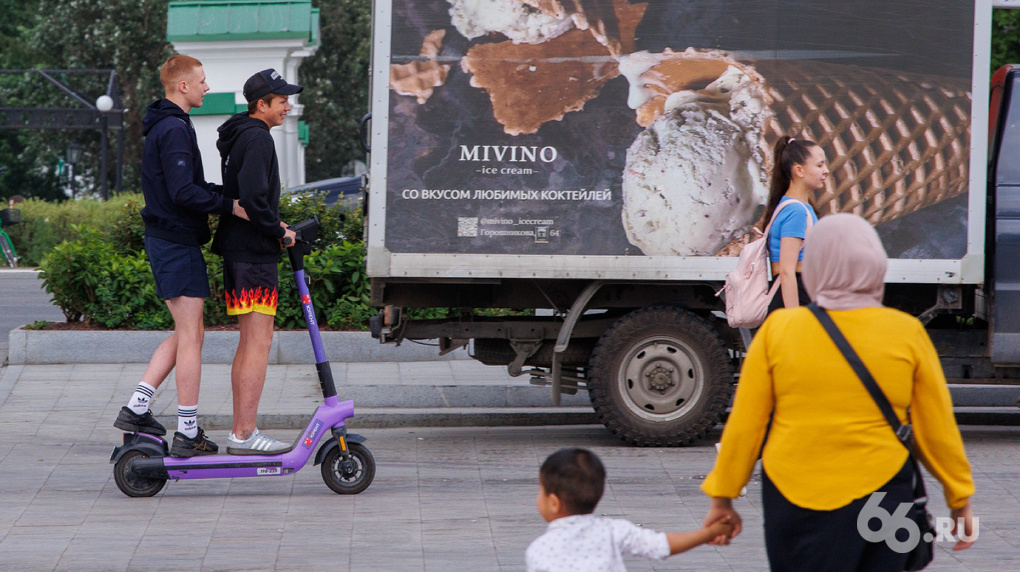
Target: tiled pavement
443, 499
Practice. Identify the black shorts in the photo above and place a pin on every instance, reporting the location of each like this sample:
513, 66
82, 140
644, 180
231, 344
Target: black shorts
179, 269
777, 300
250, 287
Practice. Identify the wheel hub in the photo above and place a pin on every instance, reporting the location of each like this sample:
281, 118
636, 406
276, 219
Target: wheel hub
660, 378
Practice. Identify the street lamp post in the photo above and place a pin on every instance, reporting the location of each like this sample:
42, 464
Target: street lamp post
73, 157
104, 103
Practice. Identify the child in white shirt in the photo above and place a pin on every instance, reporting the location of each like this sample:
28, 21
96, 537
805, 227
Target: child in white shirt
571, 482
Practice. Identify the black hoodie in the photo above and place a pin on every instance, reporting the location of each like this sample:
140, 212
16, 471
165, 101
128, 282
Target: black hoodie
252, 175
178, 200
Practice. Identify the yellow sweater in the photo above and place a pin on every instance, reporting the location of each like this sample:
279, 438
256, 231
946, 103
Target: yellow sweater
829, 443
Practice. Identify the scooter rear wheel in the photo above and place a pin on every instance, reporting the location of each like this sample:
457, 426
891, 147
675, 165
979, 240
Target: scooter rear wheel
355, 481
132, 484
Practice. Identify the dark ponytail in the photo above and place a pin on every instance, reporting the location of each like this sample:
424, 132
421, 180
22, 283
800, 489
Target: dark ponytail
787, 152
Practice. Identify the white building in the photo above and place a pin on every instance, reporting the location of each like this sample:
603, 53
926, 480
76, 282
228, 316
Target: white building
234, 39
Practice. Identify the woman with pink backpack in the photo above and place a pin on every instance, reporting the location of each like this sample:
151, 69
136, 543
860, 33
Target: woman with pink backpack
799, 170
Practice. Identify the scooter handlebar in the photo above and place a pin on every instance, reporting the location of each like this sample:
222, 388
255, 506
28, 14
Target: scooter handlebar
306, 230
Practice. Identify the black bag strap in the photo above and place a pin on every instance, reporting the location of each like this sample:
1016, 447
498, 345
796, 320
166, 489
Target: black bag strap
904, 433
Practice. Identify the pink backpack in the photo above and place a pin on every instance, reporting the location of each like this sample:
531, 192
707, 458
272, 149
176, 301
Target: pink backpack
746, 290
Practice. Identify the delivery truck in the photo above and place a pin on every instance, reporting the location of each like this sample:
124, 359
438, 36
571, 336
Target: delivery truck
597, 165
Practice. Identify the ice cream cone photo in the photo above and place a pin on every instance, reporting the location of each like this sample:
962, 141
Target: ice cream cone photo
657, 120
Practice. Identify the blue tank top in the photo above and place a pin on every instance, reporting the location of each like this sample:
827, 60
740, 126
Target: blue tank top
791, 221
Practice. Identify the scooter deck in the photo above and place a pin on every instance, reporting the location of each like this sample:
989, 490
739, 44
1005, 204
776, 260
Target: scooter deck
159, 464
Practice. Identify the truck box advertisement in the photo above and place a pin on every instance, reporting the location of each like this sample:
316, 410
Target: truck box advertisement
614, 138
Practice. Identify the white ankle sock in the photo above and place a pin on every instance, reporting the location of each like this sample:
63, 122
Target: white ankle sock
187, 420
140, 399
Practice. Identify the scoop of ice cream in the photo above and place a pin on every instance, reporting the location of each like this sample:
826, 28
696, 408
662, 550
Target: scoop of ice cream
694, 178
520, 22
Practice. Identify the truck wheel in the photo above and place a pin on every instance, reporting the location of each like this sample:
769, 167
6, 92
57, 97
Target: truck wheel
660, 376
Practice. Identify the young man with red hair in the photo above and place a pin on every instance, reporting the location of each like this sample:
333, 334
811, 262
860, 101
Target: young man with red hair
178, 202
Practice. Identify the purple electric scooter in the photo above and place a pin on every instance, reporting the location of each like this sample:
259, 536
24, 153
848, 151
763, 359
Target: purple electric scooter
143, 463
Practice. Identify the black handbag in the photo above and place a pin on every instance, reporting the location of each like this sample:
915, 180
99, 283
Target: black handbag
922, 554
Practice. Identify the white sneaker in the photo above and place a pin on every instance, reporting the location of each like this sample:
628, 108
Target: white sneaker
258, 444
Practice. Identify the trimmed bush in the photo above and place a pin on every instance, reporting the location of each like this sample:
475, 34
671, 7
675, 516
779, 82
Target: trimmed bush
102, 277
45, 225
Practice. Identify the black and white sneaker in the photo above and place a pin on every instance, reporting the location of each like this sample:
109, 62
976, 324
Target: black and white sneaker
132, 422
185, 447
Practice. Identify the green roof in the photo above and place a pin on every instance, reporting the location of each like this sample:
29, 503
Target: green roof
216, 20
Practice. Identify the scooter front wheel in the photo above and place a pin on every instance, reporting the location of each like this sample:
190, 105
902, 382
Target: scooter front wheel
355, 478
131, 483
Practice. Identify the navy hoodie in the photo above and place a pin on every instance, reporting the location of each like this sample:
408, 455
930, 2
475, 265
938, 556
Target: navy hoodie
251, 174
178, 200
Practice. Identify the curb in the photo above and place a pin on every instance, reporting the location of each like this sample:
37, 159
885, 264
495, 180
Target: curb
41, 347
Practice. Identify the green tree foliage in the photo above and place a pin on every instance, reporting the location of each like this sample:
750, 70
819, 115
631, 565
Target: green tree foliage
1005, 38
26, 173
128, 36
336, 81
31, 170
18, 18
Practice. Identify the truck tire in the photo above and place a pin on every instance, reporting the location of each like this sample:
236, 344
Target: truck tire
660, 377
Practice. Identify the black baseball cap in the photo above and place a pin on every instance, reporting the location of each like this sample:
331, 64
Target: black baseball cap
266, 82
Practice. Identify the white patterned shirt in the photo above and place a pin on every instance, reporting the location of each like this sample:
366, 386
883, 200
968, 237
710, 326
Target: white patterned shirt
588, 543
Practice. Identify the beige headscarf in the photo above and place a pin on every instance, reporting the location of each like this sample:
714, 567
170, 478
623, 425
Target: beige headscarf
844, 263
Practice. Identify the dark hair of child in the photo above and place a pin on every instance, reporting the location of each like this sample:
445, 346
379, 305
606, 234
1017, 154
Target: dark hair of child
576, 476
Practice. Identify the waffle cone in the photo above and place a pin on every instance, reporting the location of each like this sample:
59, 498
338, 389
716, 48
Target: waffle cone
418, 79
896, 142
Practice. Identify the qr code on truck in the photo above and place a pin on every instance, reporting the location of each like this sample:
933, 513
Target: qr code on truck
467, 226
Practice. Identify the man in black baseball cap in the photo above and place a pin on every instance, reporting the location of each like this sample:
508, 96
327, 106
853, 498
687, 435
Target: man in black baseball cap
266, 82
251, 250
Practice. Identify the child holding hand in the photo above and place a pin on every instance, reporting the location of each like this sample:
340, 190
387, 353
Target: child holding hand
571, 482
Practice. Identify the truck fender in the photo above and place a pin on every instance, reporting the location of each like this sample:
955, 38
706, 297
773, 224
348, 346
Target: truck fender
576, 310
563, 339
332, 442
151, 446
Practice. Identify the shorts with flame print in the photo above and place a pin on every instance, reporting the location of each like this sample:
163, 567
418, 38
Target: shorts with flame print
250, 287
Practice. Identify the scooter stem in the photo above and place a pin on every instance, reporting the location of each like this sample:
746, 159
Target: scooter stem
297, 253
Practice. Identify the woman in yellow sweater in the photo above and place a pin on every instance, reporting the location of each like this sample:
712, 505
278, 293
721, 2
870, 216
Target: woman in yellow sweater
830, 447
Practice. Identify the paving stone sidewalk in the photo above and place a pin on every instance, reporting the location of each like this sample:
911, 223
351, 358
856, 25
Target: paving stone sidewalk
443, 498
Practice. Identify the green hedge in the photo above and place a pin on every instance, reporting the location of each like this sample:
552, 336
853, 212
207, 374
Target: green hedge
46, 224
101, 274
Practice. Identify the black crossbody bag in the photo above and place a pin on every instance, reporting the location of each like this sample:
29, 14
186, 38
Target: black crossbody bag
923, 553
